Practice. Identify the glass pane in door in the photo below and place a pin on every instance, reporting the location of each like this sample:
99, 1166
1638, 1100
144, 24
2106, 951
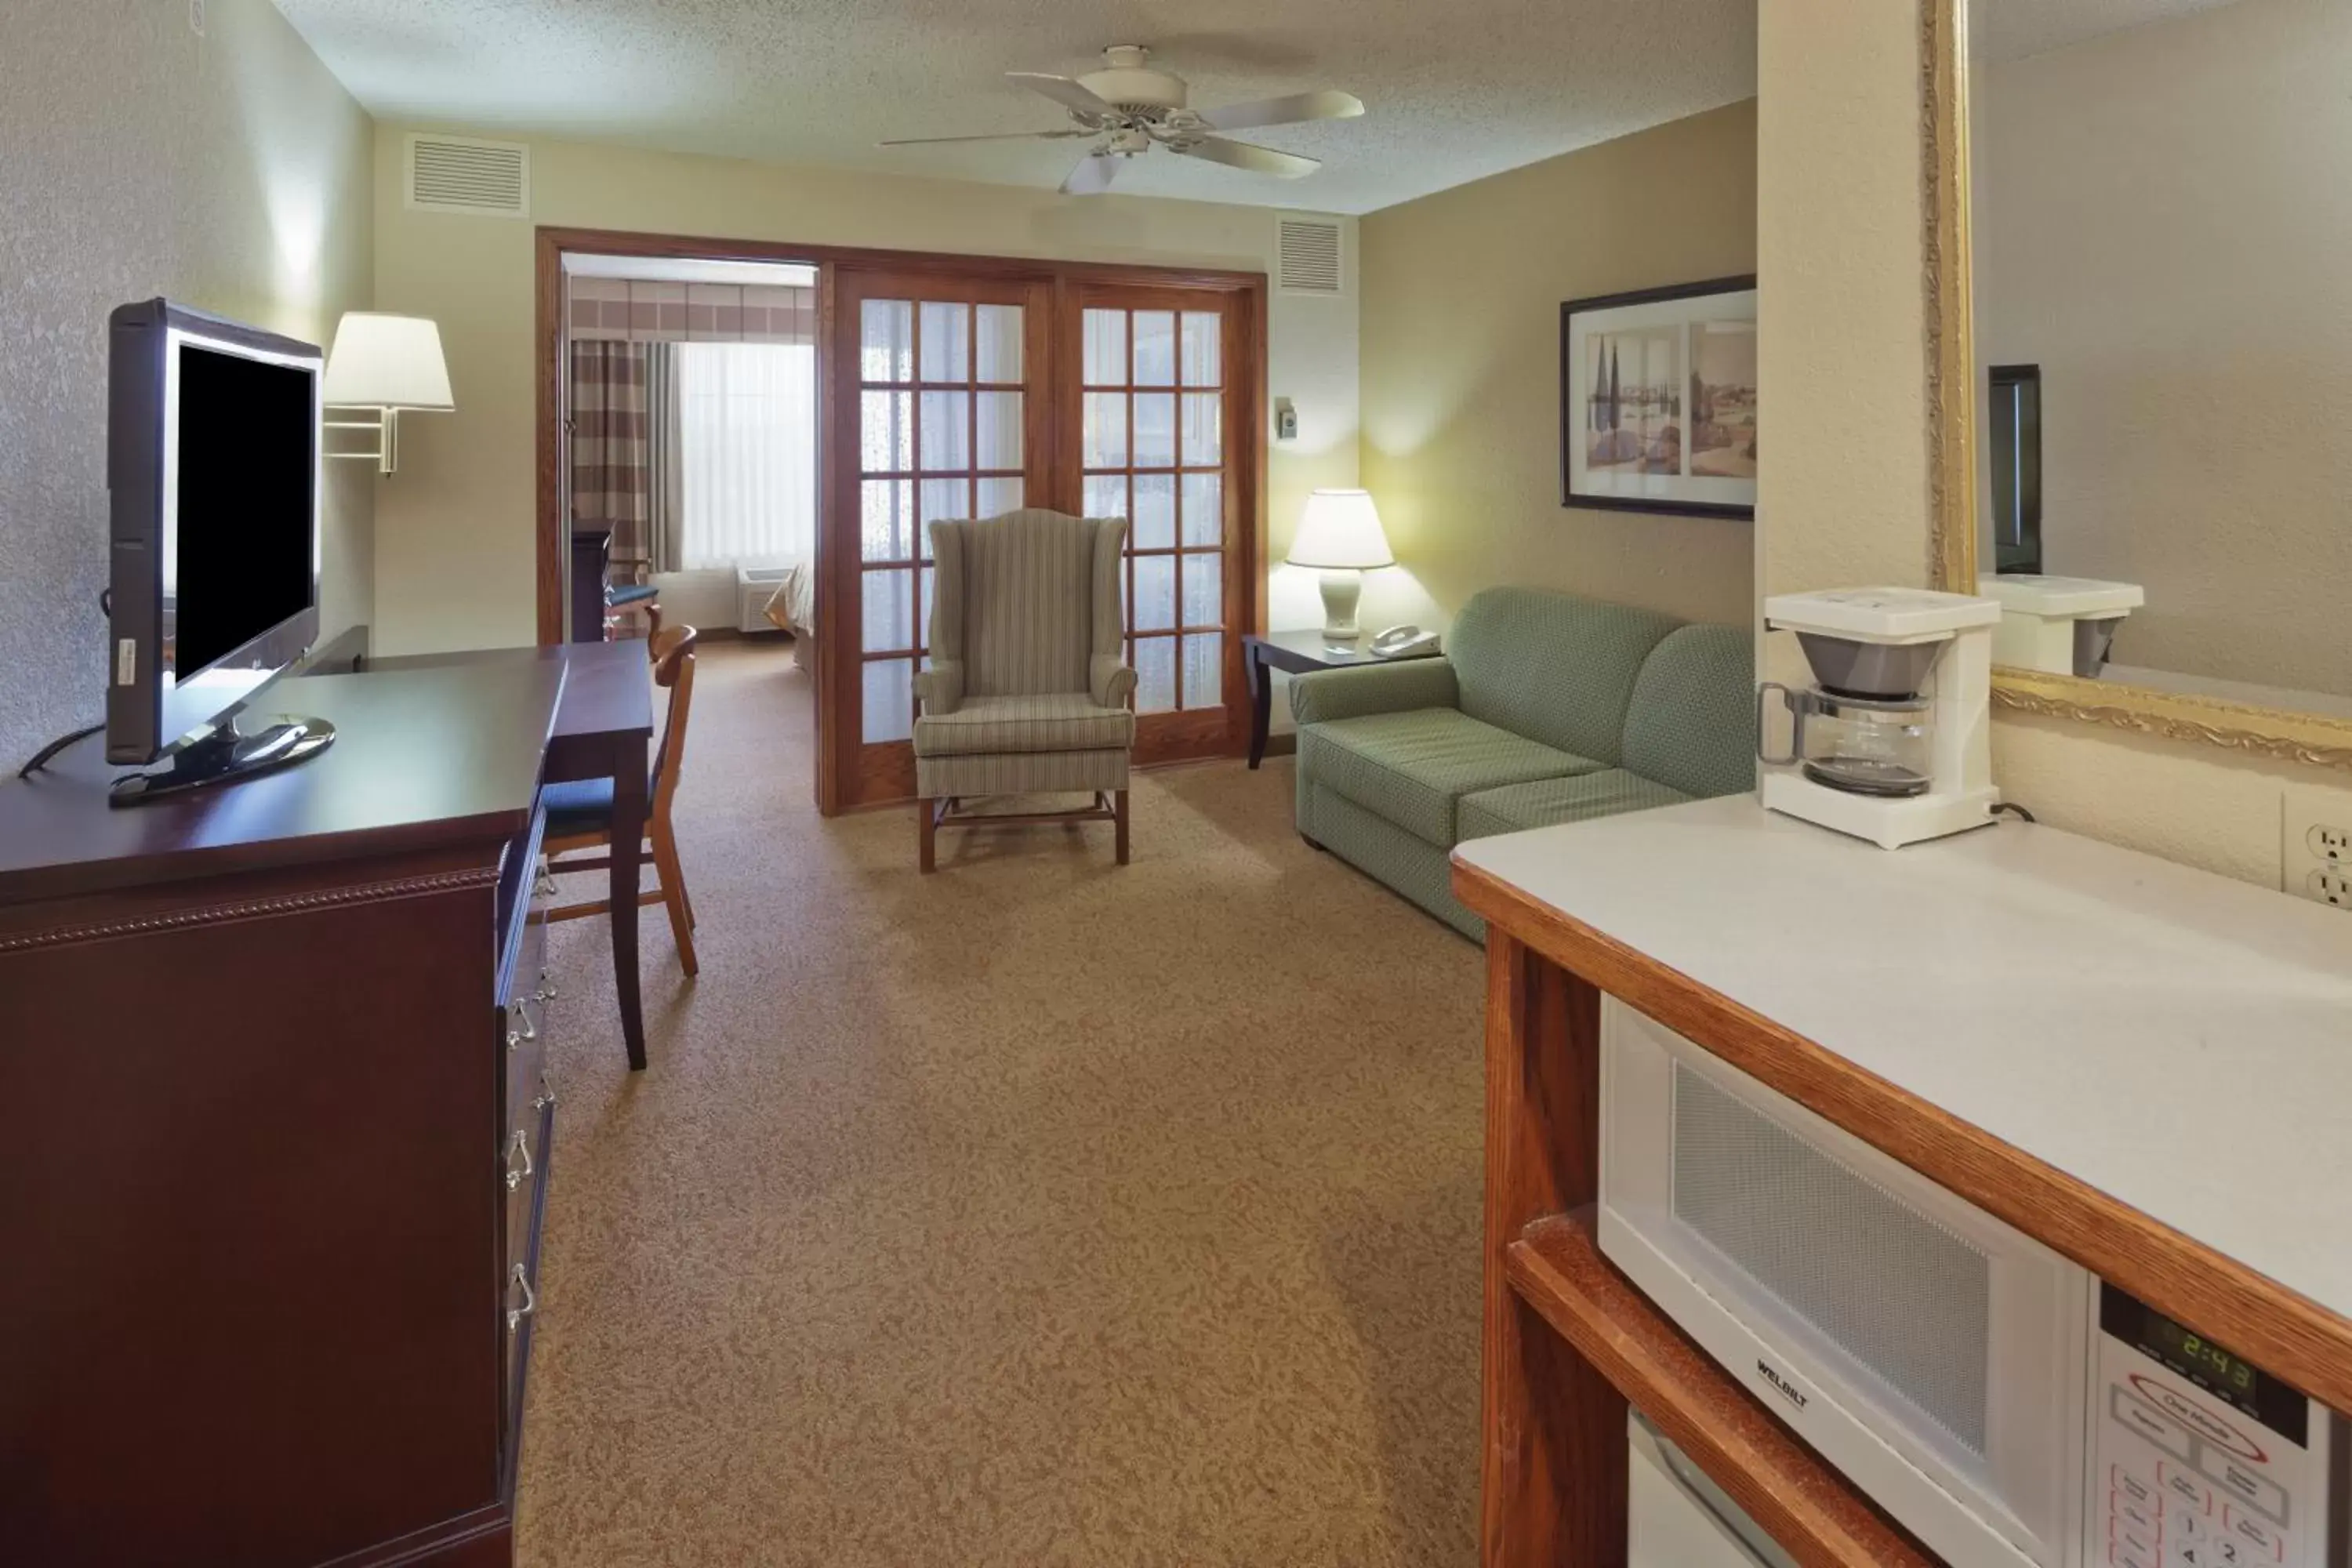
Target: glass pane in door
1205, 663
1152, 450
999, 336
1155, 512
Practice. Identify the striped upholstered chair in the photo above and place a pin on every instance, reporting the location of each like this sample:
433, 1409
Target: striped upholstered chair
1028, 691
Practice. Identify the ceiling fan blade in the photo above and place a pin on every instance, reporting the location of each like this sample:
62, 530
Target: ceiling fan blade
1070, 94
1244, 155
1006, 136
1288, 110
1093, 175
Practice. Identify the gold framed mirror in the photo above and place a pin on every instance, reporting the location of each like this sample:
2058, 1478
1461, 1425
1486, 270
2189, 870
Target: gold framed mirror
2312, 727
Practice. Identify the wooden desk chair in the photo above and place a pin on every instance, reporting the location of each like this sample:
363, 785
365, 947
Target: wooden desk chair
642, 597
580, 814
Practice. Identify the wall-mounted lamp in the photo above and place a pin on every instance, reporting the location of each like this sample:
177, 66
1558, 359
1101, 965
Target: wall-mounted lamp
1341, 533
388, 365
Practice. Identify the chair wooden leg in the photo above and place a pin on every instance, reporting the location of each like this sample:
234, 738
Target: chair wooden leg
926, 826
673, 881
1121, 807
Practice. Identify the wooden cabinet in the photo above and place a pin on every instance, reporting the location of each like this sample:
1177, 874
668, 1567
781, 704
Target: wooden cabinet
273, 1140
1947, 1006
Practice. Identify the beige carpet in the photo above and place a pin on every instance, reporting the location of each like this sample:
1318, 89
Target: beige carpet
1039, 1212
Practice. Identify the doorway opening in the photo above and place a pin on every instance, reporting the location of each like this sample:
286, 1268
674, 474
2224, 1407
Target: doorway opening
687, 403
929, 386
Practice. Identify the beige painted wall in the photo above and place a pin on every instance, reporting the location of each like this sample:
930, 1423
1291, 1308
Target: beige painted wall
230, 172
1838, 186
2154, 229
1842, 395
454, 558
1461, 370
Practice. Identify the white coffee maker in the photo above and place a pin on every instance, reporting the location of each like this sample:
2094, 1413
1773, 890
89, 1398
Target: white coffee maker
1893, 740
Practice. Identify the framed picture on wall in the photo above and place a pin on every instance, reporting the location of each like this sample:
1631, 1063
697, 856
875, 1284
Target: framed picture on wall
1657, 400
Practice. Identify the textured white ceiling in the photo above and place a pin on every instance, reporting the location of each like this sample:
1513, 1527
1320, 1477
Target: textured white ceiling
1454, 89
2012, 29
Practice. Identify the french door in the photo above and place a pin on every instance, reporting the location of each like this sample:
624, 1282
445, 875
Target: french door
936, 413
1154, 446
960, 392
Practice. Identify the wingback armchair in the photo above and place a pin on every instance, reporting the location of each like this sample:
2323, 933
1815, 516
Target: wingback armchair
1029, 691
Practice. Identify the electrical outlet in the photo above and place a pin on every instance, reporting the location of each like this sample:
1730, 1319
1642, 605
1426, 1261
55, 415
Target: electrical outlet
2316, 844
196, 17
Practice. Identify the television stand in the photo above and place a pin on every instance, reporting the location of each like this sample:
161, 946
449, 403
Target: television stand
222, 755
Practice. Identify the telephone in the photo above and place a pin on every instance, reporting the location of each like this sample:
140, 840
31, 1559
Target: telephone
1403, 642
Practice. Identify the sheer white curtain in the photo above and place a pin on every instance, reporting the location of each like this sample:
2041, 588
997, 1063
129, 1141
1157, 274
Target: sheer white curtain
746, 453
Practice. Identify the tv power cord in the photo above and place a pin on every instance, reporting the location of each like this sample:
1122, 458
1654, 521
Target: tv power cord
41, 758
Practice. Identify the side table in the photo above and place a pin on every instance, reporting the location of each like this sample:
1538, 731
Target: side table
1296, 653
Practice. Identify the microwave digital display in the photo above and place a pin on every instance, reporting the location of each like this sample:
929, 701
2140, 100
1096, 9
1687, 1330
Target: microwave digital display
2220, 1371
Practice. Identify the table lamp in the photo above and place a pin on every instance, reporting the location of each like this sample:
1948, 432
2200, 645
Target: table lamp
1340, 534
389, 365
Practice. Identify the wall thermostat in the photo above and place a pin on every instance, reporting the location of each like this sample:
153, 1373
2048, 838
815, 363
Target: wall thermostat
1285, 420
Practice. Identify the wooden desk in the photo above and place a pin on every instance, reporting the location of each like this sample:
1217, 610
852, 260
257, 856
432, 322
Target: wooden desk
273, 1140
603, 728
2018, 1014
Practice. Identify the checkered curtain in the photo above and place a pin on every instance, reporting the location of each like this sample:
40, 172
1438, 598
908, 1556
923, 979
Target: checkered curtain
638, 311
612, 460
665, 457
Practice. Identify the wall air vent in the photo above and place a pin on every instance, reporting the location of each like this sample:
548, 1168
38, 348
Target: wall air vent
1310, 256
460, 174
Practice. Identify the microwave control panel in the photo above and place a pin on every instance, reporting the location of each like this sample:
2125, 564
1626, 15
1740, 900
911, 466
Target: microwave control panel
2198, 1459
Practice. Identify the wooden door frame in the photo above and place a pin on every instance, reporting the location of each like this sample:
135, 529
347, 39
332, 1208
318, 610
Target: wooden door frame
836, 752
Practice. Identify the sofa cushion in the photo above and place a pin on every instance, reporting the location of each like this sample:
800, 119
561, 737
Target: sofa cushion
1412, 767
1692, 721
1552, 666
1063, 721
1516, 807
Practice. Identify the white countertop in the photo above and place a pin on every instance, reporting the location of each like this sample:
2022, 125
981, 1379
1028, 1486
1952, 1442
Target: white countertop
2181, 1041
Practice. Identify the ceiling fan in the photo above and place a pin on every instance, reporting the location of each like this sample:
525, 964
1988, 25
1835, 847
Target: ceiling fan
1133, 109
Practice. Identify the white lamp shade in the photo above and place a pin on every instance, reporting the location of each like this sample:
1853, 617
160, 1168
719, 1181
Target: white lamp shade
387, 361
1341, 532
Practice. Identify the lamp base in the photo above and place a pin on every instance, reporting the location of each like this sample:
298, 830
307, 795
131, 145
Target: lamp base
1341, 590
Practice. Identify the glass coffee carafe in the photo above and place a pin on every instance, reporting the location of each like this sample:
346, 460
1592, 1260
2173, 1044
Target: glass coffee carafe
1864, 727
1865, 745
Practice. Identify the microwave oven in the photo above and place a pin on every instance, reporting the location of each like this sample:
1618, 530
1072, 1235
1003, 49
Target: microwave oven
2003, 1405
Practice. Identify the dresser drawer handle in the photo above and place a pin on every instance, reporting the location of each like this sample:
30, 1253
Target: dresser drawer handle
515, 1315
546, 1096
517, 1145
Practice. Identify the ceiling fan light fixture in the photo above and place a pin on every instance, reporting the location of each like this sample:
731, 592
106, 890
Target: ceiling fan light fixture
1132, 107
1127, 83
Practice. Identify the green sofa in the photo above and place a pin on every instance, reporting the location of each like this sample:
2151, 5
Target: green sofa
1547, 707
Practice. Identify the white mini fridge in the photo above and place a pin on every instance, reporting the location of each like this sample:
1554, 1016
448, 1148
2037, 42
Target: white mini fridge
1679, 1519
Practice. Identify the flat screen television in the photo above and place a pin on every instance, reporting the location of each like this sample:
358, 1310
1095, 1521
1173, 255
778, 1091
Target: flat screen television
213, 468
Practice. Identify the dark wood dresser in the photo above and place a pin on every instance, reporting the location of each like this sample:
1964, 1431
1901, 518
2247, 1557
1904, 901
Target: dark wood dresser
592, 583
274, 1138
